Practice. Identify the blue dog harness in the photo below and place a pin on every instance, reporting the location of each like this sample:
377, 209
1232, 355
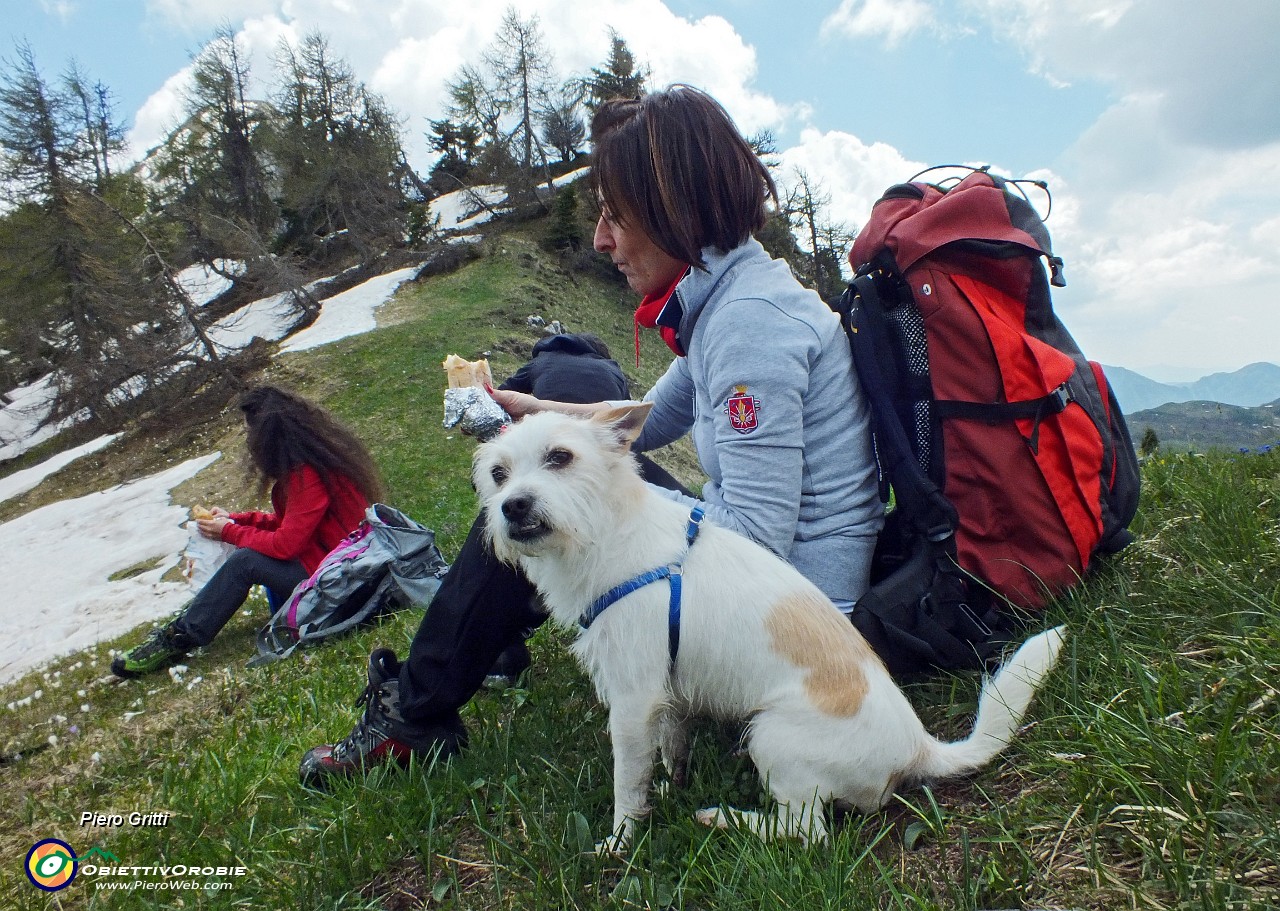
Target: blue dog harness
672, 571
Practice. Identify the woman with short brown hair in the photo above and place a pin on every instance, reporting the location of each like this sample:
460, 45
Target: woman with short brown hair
762, 380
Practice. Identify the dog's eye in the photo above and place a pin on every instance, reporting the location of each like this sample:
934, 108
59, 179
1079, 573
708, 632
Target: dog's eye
559, 458
499, 475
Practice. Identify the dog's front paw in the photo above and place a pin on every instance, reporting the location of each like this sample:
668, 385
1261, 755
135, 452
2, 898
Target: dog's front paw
614, 847
712, 816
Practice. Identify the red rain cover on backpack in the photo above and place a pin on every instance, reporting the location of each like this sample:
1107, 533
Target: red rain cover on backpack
1019, 432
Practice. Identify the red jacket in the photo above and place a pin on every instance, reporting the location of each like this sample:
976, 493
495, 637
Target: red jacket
308, 522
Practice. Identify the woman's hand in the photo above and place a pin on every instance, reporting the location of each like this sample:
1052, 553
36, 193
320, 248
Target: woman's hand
520, 404
212, 528
219, 512
516, 404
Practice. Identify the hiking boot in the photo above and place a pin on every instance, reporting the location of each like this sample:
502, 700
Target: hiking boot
509, 668
381, 735
166, 646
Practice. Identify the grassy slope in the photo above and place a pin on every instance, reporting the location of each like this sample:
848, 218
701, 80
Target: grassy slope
1150, 778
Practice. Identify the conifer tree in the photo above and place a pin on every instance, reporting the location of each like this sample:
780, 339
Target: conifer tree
337, 152
620, 77
76, 303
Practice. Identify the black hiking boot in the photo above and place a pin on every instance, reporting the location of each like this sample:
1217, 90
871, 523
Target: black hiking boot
166, 646
381, 735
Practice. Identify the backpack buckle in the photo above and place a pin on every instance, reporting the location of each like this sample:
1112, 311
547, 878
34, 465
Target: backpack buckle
1061, 398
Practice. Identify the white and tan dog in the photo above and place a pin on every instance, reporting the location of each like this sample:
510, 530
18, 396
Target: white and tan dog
758, 641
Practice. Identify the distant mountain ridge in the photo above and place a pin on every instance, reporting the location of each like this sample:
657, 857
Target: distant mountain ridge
1202, 426
1249, 387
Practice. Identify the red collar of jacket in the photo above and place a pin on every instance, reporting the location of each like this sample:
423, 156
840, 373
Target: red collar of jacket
653, 312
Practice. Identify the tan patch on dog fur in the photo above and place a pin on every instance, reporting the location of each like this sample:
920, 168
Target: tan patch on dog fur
817, 638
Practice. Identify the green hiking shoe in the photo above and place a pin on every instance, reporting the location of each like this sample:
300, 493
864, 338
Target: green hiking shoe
164, 647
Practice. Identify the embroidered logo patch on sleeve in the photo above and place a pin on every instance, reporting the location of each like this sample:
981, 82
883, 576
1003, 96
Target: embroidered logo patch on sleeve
743, 410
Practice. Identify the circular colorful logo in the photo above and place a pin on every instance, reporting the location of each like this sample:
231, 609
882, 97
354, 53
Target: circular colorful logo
51, 865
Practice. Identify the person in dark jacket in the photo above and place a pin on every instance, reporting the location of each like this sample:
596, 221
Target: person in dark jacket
568, 366
322, 479
476, 625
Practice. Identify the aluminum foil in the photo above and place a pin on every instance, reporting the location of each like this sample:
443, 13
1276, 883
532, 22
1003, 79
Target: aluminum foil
474, 412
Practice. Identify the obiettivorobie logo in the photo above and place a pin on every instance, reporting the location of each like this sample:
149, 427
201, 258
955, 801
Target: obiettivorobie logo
53, 864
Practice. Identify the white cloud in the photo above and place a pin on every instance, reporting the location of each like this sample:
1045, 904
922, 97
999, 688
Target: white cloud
159, 114
891, 19
407, 50
62, 10
852, 172
1183, 171
1208, 65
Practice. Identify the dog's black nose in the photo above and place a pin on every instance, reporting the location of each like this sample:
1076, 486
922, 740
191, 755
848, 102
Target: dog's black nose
516, 509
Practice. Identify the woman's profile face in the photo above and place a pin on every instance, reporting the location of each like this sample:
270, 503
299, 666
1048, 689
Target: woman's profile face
647, 268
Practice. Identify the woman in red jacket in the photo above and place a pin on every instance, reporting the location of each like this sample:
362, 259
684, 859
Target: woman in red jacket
322, 479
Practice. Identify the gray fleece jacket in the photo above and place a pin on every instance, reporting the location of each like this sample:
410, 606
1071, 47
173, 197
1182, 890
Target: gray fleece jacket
780, 424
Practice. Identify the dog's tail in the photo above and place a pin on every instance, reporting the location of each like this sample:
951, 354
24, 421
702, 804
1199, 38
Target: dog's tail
1001, 705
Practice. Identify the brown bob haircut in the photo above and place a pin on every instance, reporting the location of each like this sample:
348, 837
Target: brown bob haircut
673, 164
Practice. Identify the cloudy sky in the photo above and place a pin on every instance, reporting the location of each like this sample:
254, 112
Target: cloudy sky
1156, 122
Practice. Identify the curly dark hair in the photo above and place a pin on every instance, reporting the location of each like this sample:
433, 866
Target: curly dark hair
286, 431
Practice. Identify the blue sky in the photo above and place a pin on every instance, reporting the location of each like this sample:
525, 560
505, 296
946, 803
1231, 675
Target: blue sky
1156, 122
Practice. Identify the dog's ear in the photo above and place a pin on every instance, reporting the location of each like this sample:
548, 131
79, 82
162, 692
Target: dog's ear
625, 422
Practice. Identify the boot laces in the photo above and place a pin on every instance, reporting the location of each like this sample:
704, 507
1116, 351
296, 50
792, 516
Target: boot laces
367, 733
157, 643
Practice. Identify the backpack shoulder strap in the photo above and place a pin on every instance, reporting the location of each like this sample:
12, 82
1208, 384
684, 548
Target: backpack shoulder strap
862, 309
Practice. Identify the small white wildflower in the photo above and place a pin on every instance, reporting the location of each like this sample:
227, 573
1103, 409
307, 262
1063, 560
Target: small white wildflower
38, 694
96, 757
53, 740
59, 719
82, 693
84, 706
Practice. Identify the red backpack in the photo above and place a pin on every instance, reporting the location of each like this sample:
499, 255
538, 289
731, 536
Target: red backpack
1007, 455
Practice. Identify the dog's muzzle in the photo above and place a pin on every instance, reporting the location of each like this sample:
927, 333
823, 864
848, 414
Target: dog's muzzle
524, 521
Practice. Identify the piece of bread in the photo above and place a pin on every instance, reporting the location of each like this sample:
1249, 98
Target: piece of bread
200, 512
464, 373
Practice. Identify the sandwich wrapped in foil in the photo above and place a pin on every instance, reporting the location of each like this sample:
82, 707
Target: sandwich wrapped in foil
474, 412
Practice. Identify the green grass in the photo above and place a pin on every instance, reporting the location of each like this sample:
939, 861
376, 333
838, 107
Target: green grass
1148, 778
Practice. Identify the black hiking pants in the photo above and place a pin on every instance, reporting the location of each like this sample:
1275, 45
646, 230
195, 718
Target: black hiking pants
206, 614
482, 607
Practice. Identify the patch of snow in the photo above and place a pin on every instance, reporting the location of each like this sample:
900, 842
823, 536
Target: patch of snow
570, 177
203, 284
351, 312
467, 208
267, 318
28, 406
59, 597
21, 481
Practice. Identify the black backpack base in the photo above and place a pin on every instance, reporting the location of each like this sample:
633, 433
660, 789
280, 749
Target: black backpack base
924, 613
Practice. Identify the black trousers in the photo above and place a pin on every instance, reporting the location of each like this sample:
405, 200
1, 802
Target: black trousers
481, 607
206, 615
